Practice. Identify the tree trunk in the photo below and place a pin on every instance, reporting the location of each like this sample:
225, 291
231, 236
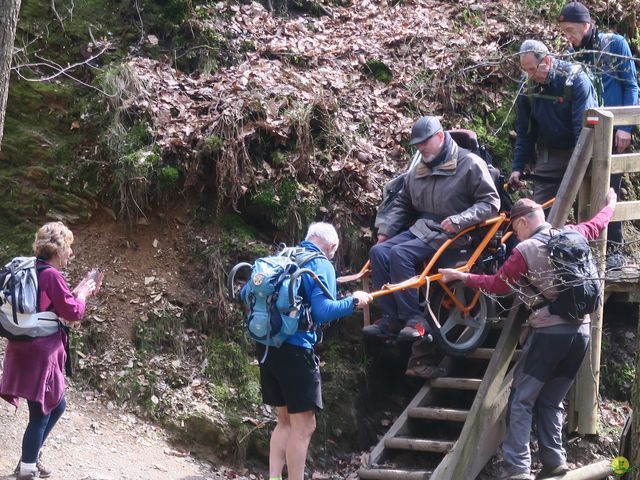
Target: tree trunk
634, 459
8, 20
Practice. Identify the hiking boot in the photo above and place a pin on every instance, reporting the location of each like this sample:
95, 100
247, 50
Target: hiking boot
43, 472
383, 327
516, 476
426, 371
415, 328
551, 472
615, 261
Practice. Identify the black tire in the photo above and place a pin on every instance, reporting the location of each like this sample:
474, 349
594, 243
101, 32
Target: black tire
456, 335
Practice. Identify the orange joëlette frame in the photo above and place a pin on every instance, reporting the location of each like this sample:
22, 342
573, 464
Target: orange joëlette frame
420, 280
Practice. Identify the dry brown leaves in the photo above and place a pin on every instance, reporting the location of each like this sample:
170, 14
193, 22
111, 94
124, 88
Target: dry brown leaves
446, 58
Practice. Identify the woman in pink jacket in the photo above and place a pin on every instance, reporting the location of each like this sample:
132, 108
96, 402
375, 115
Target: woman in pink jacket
34, 369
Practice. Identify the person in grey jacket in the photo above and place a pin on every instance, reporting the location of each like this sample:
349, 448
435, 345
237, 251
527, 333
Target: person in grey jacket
553, 346
448, 190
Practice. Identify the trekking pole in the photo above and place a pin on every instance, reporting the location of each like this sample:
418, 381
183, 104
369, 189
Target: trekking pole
232, 277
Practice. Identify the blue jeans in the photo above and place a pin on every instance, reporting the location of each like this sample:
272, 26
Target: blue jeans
38, 429
394, 261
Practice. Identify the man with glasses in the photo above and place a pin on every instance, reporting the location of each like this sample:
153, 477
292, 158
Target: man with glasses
552, 351
553, 98
448, 190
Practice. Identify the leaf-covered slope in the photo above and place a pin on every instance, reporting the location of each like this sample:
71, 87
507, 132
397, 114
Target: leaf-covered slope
310, 87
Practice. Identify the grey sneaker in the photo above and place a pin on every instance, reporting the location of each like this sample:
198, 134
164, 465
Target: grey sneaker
43, 472
516, 476
415, 328
551, 472
384, 327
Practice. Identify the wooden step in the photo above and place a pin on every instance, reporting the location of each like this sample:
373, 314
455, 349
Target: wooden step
418, 444
487, 353
456, 383
438, 413
481, 353
392, 474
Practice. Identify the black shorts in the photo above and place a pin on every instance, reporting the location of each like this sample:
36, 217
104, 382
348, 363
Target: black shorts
290, 376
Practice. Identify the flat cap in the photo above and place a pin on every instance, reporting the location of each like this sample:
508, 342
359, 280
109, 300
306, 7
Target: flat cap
424, 129
574, 12
523, 207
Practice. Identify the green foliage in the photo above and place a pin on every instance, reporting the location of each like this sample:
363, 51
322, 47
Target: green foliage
288, 203
168, 178
278, 158
120, 82
472, 18
140, 179
235, 381
247, 46
548, 8
497, 139
617, 381
378, 70
342, 373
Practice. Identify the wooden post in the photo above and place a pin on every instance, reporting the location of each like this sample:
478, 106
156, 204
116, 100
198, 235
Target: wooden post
366, 311
572, 178
583, 410
485, 425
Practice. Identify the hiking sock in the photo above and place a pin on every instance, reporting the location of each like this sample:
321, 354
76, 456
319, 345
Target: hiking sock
275, 478
27, 468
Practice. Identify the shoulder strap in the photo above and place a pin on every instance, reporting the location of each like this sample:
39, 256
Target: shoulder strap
303, 256
40, 267
574, 72
540, 236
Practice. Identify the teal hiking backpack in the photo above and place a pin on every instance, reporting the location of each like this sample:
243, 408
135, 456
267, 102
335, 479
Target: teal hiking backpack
277, 305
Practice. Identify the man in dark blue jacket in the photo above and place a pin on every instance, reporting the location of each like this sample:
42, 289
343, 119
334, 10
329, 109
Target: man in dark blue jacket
290, 375
550, 107
614, 71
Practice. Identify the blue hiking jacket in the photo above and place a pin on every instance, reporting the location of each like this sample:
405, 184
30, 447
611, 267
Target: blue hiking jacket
323, 309
617, 74
552, 121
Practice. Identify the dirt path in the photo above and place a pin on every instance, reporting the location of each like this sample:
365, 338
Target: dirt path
93, 442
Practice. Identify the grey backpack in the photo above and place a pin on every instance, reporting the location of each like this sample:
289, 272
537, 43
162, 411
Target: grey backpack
19, 302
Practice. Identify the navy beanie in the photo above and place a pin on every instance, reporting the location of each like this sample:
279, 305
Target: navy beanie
574, 12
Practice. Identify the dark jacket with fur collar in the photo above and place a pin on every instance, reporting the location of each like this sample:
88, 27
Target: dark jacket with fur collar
460, 188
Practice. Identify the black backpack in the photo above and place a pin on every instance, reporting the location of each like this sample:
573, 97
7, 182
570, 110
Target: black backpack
576, 276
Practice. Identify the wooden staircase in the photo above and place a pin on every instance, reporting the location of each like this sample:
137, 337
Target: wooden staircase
425, 435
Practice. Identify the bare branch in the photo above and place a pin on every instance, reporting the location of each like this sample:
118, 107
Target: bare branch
59, 69
55, 12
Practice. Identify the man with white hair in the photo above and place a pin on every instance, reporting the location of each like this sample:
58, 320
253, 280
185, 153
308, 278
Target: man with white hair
554, 347
290, 375
553, 98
